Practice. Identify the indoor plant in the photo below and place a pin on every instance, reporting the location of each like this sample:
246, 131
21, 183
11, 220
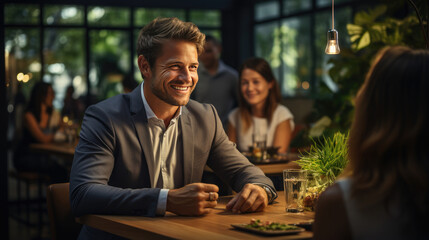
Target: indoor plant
324, 162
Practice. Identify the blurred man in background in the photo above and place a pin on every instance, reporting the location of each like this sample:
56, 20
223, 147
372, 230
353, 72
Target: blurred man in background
218, 83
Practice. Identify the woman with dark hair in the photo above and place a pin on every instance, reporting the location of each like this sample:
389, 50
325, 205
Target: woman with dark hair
259, 111
38, 114
36, 129
385, 194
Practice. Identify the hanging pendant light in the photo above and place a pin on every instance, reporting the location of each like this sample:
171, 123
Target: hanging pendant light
332, 46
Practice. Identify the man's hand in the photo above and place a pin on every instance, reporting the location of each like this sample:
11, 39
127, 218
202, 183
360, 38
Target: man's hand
192, 199
252, 198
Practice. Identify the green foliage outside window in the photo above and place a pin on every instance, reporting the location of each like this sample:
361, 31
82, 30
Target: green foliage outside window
145, 15
108, 16
21, 13
206, 18
63, 14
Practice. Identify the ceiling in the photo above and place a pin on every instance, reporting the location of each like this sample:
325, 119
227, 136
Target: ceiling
196, 4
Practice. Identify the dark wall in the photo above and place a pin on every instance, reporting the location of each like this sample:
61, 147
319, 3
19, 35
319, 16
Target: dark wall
218, 4
237, 38
4, 229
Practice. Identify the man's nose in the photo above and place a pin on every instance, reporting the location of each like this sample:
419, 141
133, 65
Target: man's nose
185, 75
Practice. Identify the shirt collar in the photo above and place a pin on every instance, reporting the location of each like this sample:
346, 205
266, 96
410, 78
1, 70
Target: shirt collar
220, 68
149, 113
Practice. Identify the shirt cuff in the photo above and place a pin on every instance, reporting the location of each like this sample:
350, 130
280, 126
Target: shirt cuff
162, 202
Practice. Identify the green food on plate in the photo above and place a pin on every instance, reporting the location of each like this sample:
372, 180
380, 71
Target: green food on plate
269, 226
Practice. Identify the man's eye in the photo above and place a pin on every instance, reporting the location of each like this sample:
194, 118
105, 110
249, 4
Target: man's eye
193, 68
175, 66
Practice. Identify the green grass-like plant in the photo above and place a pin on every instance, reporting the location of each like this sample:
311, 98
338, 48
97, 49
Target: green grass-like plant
326, 159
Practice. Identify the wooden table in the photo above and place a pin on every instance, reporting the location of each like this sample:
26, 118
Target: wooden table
271, 168
215, 225
66, 151
277, 168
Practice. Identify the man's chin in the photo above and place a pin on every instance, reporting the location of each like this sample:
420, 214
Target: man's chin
177, 102
183, 103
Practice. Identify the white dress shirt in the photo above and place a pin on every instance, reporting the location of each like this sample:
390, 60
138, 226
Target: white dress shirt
167, 170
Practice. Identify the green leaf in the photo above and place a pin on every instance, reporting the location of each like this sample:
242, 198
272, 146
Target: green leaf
364, 18
353, 29
364, 41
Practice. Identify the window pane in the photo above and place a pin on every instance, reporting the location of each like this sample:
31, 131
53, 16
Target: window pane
22, 58
109, 63
64, 61
63, 14
206, 18
108, 16
267, 44
323, 24
266, 10
215, 33
296, 56
137, 75
291, 6
21, 13
144, 16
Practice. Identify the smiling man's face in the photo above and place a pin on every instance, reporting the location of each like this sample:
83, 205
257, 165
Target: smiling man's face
174, 74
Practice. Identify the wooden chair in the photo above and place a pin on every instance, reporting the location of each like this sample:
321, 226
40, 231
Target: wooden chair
62, 223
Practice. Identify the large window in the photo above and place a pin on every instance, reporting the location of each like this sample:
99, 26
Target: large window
291, 35
92, 48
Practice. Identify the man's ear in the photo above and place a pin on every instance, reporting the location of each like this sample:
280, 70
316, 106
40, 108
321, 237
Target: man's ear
144, 67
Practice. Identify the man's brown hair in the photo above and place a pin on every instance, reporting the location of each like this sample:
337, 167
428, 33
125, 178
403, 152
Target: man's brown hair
153, 36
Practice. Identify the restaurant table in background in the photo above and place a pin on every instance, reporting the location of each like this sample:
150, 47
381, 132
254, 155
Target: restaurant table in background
274, 167
277, 168
215, 225
62, 150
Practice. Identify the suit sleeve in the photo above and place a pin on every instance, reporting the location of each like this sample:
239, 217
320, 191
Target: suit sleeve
229, 164
92, 167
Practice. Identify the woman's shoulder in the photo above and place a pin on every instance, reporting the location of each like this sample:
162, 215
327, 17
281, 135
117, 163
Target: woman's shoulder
283, 110
233, 113
332, 194
281, 114
331, 221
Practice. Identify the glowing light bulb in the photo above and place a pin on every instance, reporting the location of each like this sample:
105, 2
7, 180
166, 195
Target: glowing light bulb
332, 46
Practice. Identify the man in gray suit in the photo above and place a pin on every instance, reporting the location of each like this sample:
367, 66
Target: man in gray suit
143, 153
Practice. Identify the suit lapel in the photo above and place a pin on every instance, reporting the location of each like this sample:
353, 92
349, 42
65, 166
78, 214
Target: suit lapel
141, 125
188, 147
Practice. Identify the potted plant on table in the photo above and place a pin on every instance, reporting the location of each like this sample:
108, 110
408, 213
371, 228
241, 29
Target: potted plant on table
324, 162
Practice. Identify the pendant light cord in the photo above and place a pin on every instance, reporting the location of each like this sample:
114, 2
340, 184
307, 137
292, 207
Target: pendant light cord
333, 14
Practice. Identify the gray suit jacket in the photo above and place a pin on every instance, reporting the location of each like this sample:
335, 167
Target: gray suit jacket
110, 173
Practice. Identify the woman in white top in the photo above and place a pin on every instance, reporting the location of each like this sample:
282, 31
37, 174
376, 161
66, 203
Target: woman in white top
386, 192
259, 111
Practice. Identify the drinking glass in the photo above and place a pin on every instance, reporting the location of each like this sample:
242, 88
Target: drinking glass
295, 186
259, 147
